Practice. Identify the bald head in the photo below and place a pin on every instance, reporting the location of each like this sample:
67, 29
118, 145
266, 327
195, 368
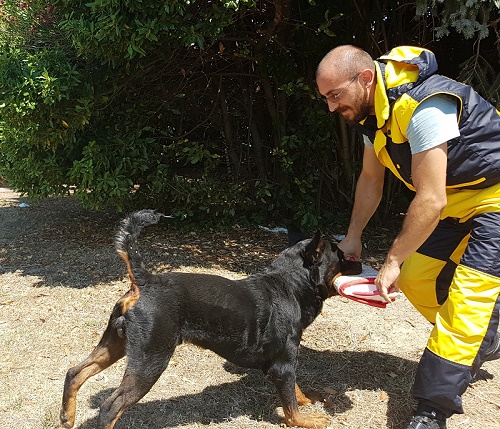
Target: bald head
345, 61
347, 80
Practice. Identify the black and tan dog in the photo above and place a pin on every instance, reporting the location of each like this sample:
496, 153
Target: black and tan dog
255, 322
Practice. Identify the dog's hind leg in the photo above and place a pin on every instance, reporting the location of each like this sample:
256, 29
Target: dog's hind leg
110, 349
132, 388
139, 378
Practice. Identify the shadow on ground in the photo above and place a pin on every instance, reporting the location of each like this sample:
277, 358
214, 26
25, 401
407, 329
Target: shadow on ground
255, 397
67, 245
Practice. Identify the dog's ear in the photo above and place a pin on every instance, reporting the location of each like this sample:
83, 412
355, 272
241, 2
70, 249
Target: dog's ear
294, 234
314, 248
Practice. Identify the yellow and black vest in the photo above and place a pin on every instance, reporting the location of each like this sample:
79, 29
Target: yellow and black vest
405, 77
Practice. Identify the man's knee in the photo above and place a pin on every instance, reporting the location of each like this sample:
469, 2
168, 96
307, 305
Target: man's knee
418, 282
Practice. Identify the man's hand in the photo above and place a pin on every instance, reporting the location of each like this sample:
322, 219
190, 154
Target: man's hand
387, 281
351, 248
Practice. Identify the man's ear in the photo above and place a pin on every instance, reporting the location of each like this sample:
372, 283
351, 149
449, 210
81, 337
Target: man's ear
367, 77
314, 248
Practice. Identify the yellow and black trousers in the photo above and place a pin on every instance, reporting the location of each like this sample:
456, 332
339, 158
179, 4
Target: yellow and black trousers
453, 280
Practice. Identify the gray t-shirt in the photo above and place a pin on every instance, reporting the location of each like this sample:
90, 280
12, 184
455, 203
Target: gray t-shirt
434, 122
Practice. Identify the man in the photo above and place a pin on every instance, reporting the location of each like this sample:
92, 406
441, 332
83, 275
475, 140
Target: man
443, 141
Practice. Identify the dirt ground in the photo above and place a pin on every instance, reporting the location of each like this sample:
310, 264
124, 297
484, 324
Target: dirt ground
60, 277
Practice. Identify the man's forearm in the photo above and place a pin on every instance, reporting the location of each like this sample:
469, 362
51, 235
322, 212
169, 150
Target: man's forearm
421, 220
424, 212
367, 198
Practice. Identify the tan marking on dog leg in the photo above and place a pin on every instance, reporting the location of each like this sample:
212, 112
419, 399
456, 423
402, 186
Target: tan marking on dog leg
295, 418
308, 397
301, 398
110, 349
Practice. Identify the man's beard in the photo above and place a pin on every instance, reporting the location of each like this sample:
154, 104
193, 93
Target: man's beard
364, 110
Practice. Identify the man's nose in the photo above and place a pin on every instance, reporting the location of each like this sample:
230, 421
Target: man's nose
333, 105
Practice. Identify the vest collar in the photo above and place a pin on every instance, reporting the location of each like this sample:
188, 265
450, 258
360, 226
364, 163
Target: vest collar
382, 105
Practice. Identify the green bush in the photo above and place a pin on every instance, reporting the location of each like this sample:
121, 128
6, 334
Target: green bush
41, 111
203, 109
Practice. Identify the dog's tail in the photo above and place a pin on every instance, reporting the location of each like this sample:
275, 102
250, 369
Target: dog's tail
125, 243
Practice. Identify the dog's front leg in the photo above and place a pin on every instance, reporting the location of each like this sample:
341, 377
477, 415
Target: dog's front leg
283, 376
308, 397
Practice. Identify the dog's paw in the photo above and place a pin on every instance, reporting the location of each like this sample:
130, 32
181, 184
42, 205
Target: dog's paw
314, 421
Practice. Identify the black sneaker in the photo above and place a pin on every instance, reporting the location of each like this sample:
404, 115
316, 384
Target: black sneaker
493, 351
427, 420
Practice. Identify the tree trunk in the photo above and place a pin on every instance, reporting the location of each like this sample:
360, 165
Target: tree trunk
234, 159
